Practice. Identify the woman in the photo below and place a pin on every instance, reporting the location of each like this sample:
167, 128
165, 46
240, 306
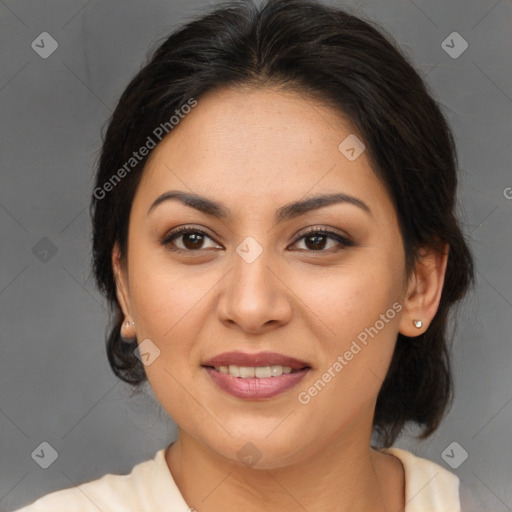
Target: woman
274, 230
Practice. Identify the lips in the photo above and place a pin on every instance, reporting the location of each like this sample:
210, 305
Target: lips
254, 360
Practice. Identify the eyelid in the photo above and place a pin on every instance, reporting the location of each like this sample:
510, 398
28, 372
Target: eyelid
343, 239
183, 230
327, 230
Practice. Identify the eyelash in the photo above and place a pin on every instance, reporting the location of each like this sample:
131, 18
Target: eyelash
185, 230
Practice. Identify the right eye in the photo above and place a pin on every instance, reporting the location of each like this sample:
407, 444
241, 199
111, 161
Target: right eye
192, 239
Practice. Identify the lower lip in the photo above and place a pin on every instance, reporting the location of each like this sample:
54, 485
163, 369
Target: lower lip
254, 388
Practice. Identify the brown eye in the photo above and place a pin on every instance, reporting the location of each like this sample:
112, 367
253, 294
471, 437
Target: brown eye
192, 239
316, 240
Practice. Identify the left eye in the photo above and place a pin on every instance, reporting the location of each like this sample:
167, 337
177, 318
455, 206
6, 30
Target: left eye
316, 240
192, 240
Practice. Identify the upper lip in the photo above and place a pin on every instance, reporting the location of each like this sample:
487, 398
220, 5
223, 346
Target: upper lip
258, 359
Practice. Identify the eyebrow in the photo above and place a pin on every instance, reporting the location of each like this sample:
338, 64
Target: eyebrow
287, 212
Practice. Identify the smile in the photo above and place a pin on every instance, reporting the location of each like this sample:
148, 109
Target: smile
255, 376
260, 372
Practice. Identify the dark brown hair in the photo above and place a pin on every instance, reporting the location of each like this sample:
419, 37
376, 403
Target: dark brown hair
333, 56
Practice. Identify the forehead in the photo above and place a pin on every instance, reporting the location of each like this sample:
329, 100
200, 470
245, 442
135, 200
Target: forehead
260, 146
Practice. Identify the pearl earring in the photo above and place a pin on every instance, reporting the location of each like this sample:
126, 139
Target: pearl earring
126, 325
418, 324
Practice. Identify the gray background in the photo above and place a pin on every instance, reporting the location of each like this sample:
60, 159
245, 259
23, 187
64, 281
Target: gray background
55, 382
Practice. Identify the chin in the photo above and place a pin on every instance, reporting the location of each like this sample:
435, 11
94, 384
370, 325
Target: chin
259, 452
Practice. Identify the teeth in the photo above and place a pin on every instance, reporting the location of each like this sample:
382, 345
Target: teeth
260, 372
245, 371
263, 372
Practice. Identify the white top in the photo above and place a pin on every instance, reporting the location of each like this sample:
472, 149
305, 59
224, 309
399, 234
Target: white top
150, 487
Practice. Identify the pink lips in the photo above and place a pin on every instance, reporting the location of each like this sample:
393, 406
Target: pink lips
255, 388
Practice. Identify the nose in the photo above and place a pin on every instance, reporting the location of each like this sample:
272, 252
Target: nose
255, 297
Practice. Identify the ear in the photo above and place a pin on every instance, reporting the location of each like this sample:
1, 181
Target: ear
424, 290
121, 279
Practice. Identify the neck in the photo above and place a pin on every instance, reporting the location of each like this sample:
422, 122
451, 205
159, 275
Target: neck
345, 475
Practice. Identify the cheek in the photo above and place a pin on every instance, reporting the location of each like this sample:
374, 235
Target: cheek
164, 294
353, 367
361, 306
168, 307
345, 300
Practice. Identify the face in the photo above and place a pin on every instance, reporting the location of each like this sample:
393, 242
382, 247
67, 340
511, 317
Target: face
255, 281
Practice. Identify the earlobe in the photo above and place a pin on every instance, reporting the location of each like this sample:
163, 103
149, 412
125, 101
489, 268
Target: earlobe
424, 290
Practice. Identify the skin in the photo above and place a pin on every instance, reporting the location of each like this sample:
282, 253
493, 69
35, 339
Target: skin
255, 150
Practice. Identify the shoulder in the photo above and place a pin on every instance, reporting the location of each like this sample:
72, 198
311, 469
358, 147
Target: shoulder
428, 486
145, 488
